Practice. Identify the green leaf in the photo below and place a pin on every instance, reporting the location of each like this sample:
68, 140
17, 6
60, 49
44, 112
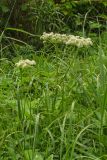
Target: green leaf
50, 157
24, 7
29, 154
5, 9
105, 4
20, 30
94, 25
104, 16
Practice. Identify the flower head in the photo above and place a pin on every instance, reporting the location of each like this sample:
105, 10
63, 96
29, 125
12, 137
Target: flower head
66, 39
25, 63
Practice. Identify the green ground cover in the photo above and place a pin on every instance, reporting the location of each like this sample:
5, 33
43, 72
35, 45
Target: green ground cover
56, 109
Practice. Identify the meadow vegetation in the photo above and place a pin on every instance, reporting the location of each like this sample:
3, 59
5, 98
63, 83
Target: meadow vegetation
53, 87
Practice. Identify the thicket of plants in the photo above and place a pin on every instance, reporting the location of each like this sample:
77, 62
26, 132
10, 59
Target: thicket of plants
64, 16
53, 80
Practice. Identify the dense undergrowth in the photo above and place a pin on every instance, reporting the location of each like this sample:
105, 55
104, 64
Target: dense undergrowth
57, 108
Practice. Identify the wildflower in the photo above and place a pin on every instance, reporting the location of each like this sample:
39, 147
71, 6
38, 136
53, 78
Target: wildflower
25, 63
66, 39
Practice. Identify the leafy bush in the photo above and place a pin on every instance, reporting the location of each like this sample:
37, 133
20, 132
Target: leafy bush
89, 14
38, 16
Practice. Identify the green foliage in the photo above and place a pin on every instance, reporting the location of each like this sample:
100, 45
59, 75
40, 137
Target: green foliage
47, 16
56, 109
92, 13
3, 6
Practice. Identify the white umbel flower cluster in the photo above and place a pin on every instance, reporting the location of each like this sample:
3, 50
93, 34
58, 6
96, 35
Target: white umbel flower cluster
25, 63
66, 39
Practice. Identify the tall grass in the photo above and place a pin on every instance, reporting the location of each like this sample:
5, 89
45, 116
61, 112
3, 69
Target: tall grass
56, 109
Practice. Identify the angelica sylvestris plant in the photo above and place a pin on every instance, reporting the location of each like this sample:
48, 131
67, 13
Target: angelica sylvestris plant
69, 40
21, 65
